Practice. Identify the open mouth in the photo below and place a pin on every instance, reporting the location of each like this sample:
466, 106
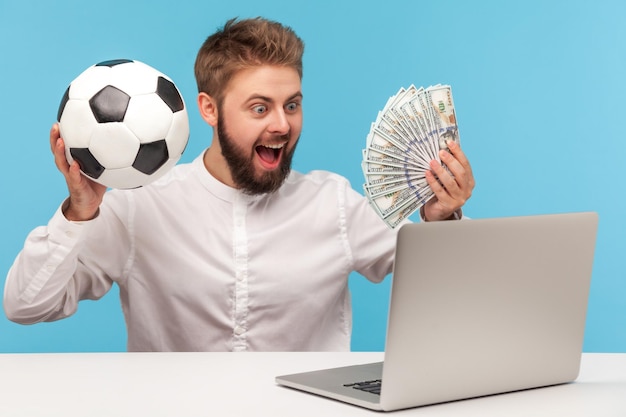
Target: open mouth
270, 155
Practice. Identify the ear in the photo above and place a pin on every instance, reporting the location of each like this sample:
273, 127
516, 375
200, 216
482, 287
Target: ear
208, 108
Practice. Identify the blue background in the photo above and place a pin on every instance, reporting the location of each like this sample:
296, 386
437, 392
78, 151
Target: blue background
538, 88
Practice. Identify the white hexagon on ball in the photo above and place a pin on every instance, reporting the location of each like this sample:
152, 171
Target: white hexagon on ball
119, 178
77, 124
135, 79
117, 136
148, 117
175, 138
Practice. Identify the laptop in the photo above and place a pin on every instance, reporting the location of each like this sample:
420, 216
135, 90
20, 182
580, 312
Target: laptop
478, 307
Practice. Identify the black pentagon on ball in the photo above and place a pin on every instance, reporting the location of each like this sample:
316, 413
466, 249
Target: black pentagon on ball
169, 94
113, 62
64, 101
109, 104
151, 156
88, 163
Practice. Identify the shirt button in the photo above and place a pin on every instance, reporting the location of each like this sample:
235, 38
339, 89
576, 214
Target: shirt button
239, 330
69, 233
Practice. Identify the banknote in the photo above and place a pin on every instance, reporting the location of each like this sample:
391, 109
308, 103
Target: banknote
407, 134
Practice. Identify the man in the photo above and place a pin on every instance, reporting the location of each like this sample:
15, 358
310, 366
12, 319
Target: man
232, 251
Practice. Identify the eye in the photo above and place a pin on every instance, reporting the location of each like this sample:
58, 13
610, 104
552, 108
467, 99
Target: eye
292, 107
260, 109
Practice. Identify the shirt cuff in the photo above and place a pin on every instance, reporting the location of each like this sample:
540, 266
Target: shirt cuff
457, 215
64, 231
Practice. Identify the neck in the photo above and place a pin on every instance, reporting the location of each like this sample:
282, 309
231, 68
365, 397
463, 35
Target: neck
216, 165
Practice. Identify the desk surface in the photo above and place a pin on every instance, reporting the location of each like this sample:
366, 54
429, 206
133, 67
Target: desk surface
242, 384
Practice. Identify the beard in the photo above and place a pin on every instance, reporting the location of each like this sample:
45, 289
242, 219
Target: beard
242, 166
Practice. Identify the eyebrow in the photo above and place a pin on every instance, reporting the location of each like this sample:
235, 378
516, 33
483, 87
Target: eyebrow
270, 100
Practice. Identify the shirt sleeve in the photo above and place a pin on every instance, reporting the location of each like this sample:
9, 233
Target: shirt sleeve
372, 242
60, 264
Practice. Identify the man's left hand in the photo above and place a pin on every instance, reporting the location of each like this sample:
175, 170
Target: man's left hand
452, 189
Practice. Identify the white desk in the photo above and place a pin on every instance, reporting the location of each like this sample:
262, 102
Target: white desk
242, 384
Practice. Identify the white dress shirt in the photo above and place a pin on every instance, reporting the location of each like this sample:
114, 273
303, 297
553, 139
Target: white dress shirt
203, 267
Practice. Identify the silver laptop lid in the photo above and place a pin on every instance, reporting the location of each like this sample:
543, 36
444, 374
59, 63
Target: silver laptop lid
487, 306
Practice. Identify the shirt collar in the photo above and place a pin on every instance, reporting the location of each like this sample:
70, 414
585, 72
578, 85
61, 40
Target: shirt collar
217, 188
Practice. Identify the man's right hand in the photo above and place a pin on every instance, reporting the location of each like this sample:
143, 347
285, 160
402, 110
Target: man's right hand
85, 194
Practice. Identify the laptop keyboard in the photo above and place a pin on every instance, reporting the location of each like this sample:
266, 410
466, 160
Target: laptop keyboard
372, 386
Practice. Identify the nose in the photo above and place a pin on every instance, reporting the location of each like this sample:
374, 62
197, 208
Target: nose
279, 124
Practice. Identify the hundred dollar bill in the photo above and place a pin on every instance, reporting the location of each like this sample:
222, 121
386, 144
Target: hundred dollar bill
379, 146
396, 218
381, 157
385, 130
402, 210
387, 204
372, 190
381, 179
394, 112
389, 156
393, 122
423, 107
443, 115
416, 115
370, 167
389, 119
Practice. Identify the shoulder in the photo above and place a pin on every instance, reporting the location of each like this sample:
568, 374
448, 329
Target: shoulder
174, 181
322, 186
318, 184
178, 173
317, 178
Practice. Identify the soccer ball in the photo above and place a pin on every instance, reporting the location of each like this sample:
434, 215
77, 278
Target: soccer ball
124, 122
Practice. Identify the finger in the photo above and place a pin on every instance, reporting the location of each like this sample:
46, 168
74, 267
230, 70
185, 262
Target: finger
55, 134
76, 182
459, 155
451, 162
433, 182
59, 156
74, 173
461, 158
461, 173
448, 180
439, 189
443, 205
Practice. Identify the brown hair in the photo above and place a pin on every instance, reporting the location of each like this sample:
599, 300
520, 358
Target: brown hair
245, 44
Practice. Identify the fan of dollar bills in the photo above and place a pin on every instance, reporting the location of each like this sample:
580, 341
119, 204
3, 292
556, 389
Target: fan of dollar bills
407, 134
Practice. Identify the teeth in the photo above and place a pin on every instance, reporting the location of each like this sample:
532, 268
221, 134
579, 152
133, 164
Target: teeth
276, 146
